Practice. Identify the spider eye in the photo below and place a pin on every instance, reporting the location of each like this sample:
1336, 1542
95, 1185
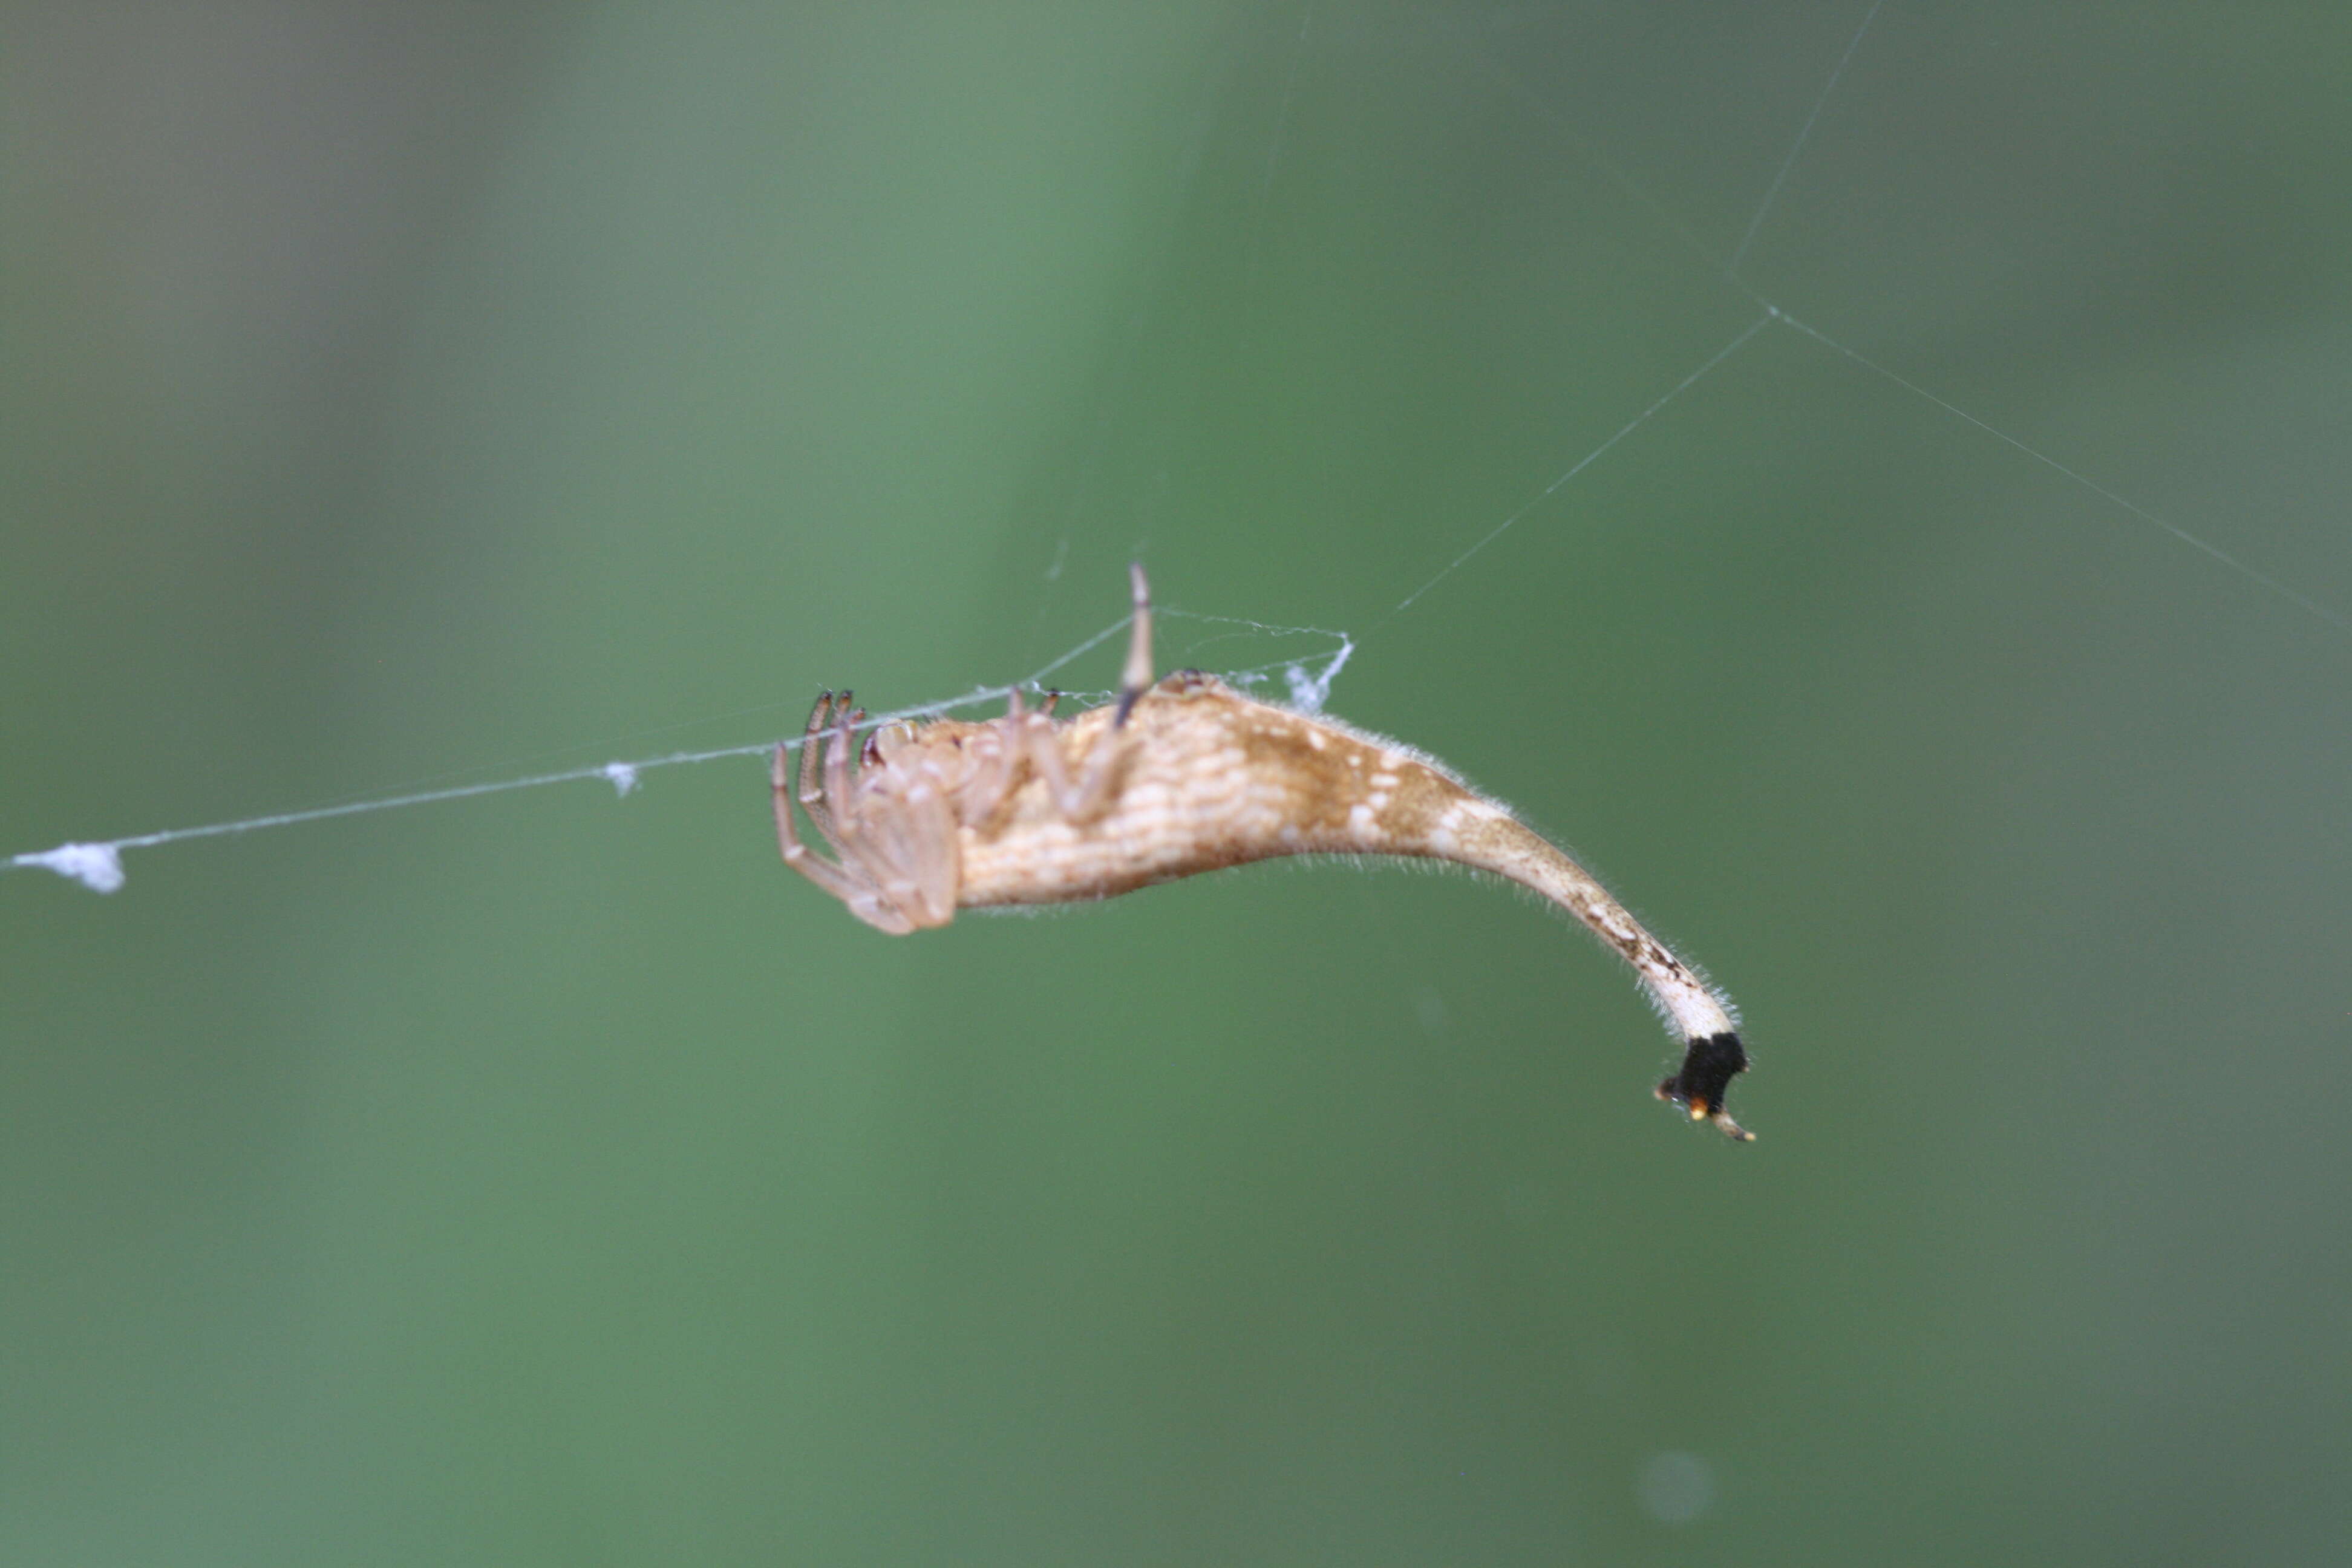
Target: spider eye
1189, 683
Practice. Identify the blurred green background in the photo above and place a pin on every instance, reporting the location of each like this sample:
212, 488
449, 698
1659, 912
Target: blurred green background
400, 393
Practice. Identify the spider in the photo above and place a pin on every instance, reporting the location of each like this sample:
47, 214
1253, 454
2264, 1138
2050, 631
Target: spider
1174, 778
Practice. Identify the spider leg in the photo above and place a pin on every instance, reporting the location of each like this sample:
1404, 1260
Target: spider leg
883, 892
812, 786
1136, 679
835, 879
930, 829
870, 829
837, 771
991, 755
847, 881
822, 810
1092, 793
1037, 739
883, 858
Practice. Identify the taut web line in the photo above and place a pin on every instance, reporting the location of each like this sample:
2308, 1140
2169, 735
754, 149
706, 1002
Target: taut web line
1797, 147
1635, 423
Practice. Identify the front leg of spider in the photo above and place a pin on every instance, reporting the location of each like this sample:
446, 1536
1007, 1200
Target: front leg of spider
1170, 780
829, 792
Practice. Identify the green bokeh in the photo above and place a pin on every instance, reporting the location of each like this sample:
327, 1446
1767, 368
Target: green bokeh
450, 393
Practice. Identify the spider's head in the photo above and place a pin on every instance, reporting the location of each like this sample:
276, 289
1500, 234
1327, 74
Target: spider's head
1189, 683
1709, 1064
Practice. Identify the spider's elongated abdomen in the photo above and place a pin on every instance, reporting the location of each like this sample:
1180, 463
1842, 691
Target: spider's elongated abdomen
1211, 779
1174, 778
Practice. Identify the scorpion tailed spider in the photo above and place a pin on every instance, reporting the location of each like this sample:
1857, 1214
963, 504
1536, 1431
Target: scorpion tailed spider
1175, 777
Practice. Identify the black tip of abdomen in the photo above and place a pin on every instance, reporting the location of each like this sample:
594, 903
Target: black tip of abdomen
1709, 1064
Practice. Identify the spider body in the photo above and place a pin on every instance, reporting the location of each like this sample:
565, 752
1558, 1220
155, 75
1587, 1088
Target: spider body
1204, 778
1177, 777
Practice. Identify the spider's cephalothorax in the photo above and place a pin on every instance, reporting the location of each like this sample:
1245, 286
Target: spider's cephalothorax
1173, 778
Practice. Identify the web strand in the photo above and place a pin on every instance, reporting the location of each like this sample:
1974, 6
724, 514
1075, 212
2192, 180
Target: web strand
2252, 575
1797, 148
1274, 147
1586, 461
